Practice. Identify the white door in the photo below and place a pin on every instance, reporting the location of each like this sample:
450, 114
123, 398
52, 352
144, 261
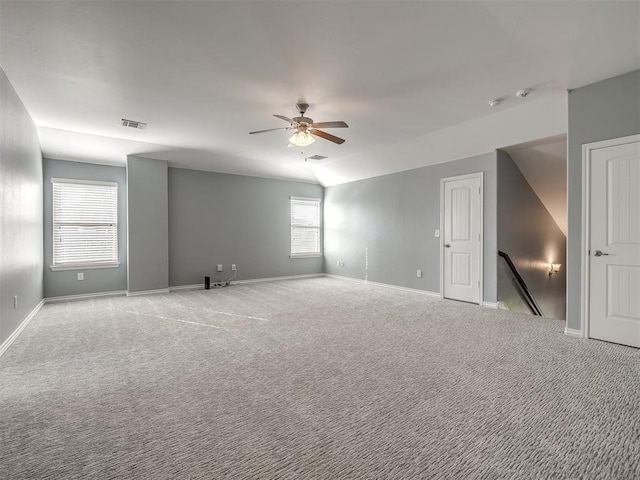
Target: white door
614, 244
462, 237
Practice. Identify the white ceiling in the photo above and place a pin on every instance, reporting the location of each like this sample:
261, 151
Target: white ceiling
412, 78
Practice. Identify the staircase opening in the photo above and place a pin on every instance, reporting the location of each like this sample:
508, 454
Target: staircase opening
532, 223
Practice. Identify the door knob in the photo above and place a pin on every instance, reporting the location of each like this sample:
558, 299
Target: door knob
599, 253
446, 245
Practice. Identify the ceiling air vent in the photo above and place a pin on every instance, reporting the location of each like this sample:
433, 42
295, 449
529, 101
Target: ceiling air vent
133, 124
317, 157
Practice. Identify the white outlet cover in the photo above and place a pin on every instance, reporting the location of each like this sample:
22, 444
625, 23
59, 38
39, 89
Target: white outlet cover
80, 276
219, 267
437, 232
419, 273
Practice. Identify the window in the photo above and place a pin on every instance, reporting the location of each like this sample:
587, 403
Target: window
85, 224
305, 227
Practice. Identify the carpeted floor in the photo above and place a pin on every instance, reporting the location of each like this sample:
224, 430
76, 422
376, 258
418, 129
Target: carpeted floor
312, 379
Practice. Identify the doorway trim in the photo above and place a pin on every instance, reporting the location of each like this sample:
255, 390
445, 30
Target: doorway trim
585, 275
479, 175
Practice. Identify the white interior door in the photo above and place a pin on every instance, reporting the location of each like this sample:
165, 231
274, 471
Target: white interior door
462, 237
614, 244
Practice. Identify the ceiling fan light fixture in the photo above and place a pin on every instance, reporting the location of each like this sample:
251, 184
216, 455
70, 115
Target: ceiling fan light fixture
304, 127
301, 138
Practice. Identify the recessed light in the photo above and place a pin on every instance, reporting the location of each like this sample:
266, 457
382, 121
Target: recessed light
523, 93
495, 103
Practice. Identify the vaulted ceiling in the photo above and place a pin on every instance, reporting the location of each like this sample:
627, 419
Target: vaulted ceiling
411, 78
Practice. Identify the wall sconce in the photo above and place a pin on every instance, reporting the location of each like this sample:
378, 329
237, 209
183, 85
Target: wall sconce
554, 268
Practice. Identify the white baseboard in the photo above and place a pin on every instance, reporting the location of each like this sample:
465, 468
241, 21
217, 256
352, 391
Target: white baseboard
148, 292
84, 296
200, 286
350, 279
489, 304
195, 286
407, 289
275, 279
572, 332
7, 343
387, 285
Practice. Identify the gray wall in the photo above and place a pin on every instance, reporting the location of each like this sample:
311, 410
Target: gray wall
395, 217
147, 214
217, 218
601, 111
20, 211
65, 282
530, 236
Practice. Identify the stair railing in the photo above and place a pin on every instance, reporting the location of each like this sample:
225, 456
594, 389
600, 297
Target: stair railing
531, 302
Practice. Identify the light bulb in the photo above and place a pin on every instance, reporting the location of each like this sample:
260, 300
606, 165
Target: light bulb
301, 138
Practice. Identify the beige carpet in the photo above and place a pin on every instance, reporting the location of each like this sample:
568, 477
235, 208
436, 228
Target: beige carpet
312, 379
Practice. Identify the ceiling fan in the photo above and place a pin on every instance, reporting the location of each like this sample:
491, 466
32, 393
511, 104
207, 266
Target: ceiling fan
305, 128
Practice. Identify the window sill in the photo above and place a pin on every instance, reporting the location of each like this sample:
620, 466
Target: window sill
84, 266
306, 255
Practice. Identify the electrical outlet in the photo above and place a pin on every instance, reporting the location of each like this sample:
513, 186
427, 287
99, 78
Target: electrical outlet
80, 276
419, 273
437, 232
15, 301
219, 268
233, 267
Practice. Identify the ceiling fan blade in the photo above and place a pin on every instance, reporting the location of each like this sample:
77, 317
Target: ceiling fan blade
330, 125
327, 136
286, 119
270, 130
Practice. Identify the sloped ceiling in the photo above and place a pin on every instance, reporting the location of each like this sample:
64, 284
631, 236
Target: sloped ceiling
544, 164
412, 78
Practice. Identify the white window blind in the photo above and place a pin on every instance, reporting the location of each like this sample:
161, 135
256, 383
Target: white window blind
85, 223
305, 226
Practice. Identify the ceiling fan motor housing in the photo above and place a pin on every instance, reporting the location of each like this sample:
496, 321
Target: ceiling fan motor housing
301, 120
302, 107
